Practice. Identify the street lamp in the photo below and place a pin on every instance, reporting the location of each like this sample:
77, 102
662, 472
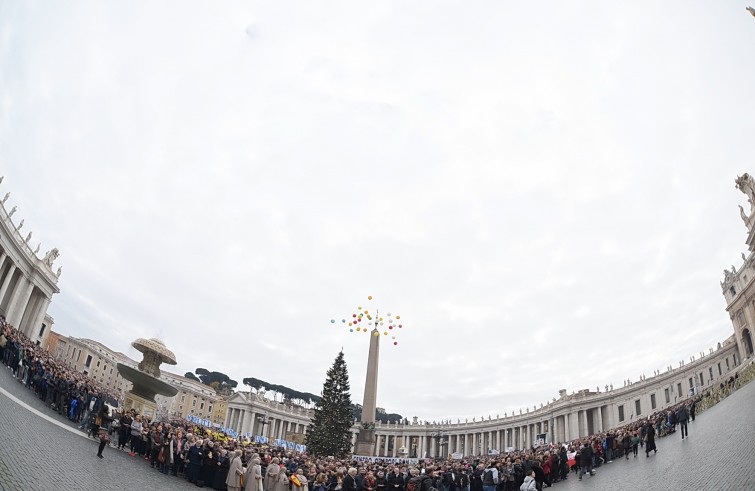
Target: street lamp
442, 439
263, 421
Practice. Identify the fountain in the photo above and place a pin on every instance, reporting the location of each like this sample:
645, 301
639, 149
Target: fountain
146, 380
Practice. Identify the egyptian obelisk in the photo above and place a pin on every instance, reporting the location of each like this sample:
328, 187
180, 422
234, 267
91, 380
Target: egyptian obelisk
366, 437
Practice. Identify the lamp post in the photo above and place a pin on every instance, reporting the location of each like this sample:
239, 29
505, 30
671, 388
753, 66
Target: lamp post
263, 421
442, 441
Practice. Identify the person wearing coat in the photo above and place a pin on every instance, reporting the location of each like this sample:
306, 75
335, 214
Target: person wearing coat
271, 476
529, 483
253, 477
283, 483
650, 440
221, 470
235, 470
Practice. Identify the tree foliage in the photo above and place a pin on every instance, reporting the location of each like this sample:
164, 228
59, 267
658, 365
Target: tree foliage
287, 393
330, 429
219, 381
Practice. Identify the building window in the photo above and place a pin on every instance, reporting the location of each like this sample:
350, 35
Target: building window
621, 413
710, 372
78, 357
194, 403
652, 401
209, 409
691, 384
42, 330
98, 364
183, 399
668, 396
719, 369
201, 405
637, 407
702, 379
734, 355
732, 291
679, 388
727, 364
89, 361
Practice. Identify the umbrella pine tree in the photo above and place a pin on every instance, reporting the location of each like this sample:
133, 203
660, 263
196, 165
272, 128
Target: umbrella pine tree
329, 432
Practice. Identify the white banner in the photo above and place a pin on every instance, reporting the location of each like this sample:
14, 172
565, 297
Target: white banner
385, 460
457, 456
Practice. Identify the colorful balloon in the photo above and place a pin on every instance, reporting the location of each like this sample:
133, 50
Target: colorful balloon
377, 333
385, 333
351, 330
390, 327
398, 317
332, 321
369, 297
343, 320
395, 343
400, 326
359, 329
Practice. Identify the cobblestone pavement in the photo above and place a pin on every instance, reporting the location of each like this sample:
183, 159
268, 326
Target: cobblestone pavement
39, 454
717, 455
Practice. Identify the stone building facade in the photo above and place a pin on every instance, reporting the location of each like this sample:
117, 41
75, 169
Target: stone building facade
254, 414
27, 282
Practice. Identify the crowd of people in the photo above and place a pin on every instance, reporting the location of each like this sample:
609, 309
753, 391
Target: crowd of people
206, 458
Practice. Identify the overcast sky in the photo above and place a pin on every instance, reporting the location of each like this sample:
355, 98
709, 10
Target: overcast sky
543, 192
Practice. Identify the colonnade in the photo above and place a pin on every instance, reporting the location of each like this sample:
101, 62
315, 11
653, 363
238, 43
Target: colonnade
27, 282
262, 423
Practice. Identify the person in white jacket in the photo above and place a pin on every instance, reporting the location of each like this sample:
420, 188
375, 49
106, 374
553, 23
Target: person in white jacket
529, 483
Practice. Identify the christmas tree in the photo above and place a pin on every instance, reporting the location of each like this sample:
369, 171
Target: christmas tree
329, 432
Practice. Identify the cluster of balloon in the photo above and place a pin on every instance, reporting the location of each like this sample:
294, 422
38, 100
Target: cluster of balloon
364, 321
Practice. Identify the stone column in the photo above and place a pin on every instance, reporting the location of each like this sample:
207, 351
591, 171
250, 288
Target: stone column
598, 411
40, 314
6, 283
16, 308
227, 417
248, 426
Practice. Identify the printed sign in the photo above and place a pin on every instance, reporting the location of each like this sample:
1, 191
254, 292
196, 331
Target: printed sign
385, 460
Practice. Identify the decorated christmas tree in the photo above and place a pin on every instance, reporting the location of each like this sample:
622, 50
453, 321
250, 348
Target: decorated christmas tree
329, 433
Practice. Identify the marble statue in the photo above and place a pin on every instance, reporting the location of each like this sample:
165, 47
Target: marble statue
51, 256
37, 249
749, 9
744, 258
746, 184
12, 211
5, 198
1, 179
60, 270
20, 225
28, 238
745, 218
